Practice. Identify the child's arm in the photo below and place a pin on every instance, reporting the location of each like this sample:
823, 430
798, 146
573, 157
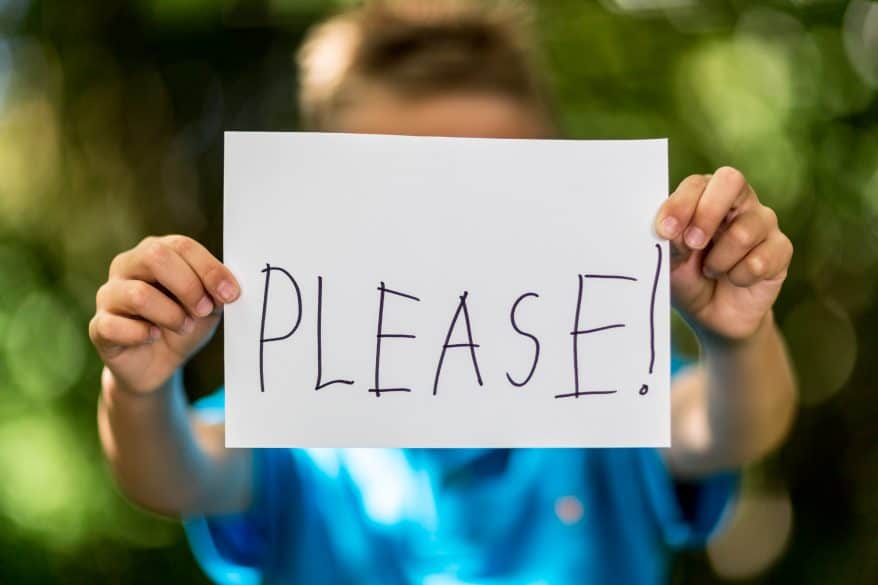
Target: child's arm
161, 303
729, 260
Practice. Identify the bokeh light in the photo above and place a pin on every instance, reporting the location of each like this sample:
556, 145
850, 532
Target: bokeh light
46, 487
742, 94
45, 348
822, 338
861, 39
755, 538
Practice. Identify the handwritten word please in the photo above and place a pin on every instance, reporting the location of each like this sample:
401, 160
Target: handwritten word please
460, 320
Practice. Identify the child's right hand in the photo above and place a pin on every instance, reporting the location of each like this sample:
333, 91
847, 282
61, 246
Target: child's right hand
162, 301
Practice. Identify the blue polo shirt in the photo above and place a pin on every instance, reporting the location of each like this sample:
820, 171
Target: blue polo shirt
449, 517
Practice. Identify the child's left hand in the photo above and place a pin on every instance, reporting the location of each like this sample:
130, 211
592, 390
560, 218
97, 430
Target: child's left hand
729, 258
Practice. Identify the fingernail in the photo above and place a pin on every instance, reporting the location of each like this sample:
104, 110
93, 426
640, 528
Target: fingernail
188, 325
668, 227
695, 238
204, 306
227, 291
154, 333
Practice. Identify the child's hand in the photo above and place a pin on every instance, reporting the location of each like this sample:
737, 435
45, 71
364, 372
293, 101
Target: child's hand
728, 255
162, 302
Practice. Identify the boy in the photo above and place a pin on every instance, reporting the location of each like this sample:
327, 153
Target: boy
446, 516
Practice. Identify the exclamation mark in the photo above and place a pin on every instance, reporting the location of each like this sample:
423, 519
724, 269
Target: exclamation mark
644, 389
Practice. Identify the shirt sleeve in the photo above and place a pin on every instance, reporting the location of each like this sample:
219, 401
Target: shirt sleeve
234, 549
689, 513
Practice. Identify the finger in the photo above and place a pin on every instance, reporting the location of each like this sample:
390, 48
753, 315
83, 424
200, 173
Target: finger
108, 331
733, 242
767, 261
136, 298
154, 261
677, 211
725, 192
217, 279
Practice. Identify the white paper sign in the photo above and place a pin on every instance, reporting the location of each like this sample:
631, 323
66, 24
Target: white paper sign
444, 292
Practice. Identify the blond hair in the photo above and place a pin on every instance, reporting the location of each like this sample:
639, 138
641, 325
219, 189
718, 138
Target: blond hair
417, 48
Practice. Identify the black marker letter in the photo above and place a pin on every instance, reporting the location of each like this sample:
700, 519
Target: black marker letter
577, 332
658, 271
532, 338
320, 384
644, 388
262, 338
470, 344
381, 335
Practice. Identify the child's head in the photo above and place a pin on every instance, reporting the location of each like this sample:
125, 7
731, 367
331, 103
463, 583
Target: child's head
424, 67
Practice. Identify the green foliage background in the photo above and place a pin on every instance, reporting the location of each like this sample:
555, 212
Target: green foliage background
111, 119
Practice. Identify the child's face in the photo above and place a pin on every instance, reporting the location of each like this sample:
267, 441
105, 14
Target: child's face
477, 115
